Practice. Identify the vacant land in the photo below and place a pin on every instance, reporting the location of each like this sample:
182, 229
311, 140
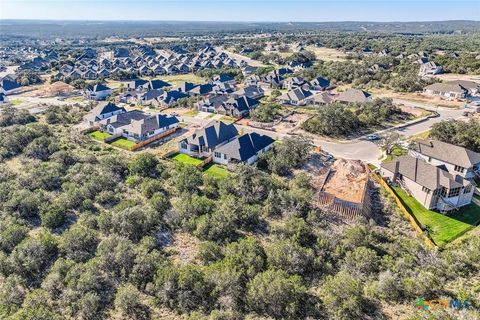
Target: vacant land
442, 228
328, 54
176, 79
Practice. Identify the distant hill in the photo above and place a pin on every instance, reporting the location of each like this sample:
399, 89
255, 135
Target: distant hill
75, 29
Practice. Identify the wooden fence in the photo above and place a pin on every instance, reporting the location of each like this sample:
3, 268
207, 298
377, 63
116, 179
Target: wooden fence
205, 161
152, 139
345, 209
413, 221
89, 129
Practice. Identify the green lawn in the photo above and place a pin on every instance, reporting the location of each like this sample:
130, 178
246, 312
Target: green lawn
184, 158
178, 78
227, 119
191, 113
16, 102
396, 152
216, 171
99, 135
123, 143
442, 228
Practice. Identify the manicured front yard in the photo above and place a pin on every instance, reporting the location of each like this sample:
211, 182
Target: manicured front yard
228, 119
191, 113
184, 158
215, 170
442, 228
123, 143
99, 135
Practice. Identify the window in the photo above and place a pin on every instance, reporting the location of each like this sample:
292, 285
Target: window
454, 192
467, 189
459, 169
218, 155
183, 145
225, 156
443, 192
426, 190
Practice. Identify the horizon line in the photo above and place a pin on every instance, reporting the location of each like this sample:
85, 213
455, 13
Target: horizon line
236, 21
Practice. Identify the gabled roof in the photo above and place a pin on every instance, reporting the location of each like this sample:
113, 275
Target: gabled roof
243, 103
105, 107
297, 94
424, 174
151, 94
321, 82
184, 86
158, 84
213, 134
447, 152
150, 123
246, 146
98, 87
469, 85
446, 87
202, 89
353, 96
8, 84
124, 119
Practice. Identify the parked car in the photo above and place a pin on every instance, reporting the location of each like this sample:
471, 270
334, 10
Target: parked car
373, 137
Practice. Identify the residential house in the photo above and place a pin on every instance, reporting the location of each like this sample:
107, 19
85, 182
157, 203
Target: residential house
430, 68
472, 87
322, 98
296, 82
169, 98
296, 97
432, 186
446, 90
138, 126
353, 96
97, 92
242, 149
203, 141
238, 107
253, 92
212, 103
9, 86
454, 159
150, 97
319, 84
102, 111
222, 78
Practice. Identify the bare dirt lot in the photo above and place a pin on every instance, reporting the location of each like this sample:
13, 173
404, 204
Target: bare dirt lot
328, 54
58, 88
347, 180
456, 76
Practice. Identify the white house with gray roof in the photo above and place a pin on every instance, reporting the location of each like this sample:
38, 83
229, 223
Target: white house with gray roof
138, 126
243, 149
454, 159
432, 186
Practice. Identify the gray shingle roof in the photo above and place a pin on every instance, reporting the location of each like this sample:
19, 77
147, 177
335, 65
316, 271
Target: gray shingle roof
213, 134
424, 174
447, 152
246, 146
353, 96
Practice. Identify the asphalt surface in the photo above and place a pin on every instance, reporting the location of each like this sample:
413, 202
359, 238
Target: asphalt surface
359, 149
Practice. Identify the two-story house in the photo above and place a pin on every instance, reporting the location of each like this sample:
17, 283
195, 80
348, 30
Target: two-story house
203, 141
454, 159
433, 187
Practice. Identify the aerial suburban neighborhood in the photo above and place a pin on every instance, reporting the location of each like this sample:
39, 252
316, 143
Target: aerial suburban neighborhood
162, 168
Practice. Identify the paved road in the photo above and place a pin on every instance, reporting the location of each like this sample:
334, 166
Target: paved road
359, 149
444, 114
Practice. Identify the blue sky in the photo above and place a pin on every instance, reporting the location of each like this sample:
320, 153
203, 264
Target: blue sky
242, 10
